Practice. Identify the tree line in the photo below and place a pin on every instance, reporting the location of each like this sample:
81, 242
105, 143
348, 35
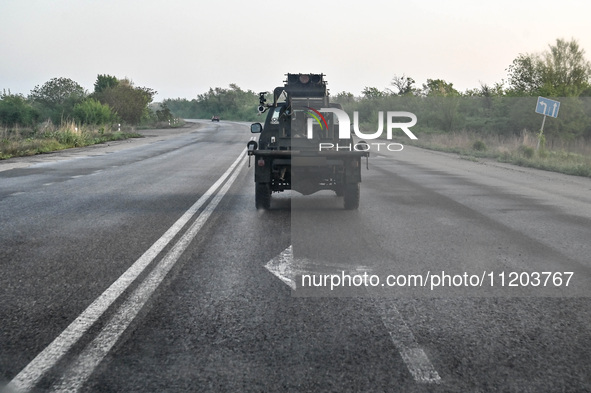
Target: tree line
506, 108
232, 103
62, 100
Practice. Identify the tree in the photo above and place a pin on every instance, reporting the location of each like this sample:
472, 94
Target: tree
57, 91
232, 104
344, 98
525, 76
372, 93
163, 113
565, 71
129, 102
103, 82
562, 71
442, 103
404, 85
181, 107
439, 88
57, 97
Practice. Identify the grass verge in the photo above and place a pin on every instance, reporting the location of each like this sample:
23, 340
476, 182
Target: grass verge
573, 158
26, 142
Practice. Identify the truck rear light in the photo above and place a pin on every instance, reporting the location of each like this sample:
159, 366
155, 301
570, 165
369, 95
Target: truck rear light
261, 162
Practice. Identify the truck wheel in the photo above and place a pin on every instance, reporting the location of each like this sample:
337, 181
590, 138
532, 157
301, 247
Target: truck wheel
352, 194
262, 196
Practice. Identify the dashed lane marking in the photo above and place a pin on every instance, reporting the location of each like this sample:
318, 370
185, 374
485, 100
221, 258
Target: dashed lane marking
412, 354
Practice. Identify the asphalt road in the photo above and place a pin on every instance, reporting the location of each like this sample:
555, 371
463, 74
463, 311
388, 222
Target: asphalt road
144, 266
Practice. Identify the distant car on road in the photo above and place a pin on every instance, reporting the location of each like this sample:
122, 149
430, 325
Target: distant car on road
215, 118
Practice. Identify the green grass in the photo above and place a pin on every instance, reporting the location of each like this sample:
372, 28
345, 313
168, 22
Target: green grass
555, 161
27, 142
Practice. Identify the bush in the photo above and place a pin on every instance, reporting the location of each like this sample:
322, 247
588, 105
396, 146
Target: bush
15, 110
91, 111
479, 146
527, 151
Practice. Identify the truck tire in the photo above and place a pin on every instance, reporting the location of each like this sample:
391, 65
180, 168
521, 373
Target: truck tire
352, 194
262, 196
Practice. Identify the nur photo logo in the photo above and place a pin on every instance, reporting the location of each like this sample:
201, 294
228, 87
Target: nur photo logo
344, 128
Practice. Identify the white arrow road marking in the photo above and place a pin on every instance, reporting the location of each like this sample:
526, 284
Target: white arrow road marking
283, 267
287, 269
34, 371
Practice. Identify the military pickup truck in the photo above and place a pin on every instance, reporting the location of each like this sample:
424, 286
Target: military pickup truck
299, 147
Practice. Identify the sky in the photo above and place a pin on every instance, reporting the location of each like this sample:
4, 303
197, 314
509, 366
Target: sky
181, 48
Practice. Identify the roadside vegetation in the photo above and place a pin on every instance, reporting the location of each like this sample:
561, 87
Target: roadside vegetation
228, 104
60, 114
497, 121
572, 158
490, 121
17, 142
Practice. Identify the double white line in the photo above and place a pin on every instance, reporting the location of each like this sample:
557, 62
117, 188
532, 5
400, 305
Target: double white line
83, 366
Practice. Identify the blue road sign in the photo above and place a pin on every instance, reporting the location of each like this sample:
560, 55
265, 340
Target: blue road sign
547, 107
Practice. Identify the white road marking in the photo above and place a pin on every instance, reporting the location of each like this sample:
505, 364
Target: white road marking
282, 267
414, 357
287, 268
93, 354
27, 379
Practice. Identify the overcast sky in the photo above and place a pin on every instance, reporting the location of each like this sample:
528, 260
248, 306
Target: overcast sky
182, 47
